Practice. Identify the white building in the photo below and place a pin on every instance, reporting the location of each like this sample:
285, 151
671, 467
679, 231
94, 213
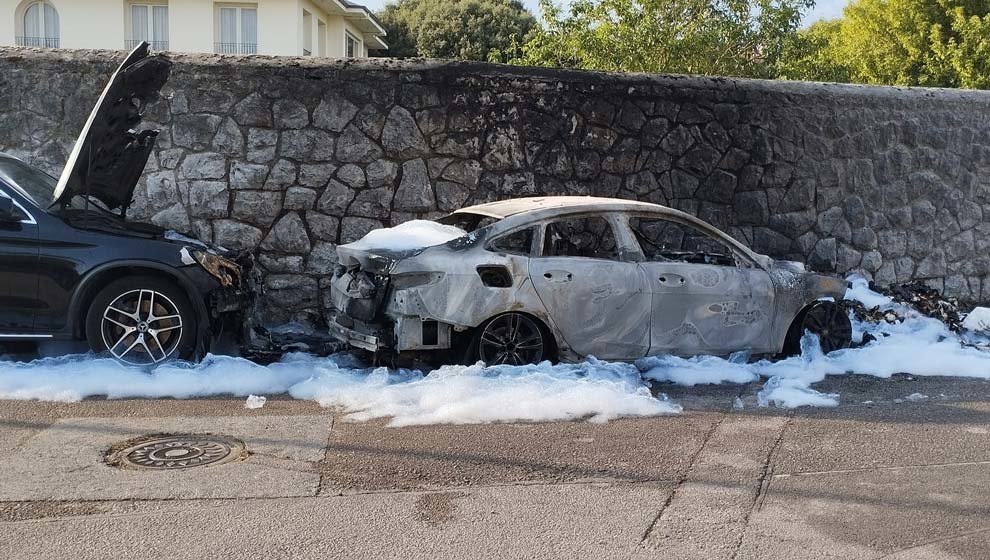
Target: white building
334, 28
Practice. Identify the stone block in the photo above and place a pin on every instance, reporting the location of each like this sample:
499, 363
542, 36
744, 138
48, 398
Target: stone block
203, 165
401, 136
288, 236
299, 198
415, 193
235, 235
259, 208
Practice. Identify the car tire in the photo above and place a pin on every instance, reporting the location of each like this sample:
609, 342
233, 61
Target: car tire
511, 339
826, 319
142, 320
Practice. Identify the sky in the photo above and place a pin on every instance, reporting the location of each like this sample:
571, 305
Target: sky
825, 9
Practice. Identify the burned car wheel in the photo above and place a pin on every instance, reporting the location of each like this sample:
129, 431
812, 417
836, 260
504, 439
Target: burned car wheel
828, 321
142, 320
512, 339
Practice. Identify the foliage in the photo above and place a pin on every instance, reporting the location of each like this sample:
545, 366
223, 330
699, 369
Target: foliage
715, 37
966, 51
808, 55
460, 29
937, 43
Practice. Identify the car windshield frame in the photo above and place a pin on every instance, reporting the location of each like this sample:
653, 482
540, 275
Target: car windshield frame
45, 182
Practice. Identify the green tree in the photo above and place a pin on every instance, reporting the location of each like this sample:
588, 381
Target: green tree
935, 43
809, 55
714, 37
966, 48
460, 29
890, 42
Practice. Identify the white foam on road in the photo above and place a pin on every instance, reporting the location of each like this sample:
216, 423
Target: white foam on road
594, 390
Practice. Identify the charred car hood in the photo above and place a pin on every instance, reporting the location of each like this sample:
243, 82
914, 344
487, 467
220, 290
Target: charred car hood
110, 155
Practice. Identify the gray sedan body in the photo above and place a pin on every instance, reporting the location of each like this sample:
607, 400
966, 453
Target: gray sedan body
614, 279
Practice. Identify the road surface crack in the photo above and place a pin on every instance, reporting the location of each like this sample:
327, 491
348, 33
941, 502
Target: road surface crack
684, 476
887, 468
326, 456
762, 484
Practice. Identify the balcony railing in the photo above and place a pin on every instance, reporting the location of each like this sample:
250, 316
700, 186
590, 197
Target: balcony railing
235, 48
155, 45
48, 42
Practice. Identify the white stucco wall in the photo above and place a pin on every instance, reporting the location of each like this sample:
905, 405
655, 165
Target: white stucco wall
103, 24
191, 26
95, 24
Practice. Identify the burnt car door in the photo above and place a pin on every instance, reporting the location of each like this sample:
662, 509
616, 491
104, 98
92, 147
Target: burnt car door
707, 298
18, 267
599, 302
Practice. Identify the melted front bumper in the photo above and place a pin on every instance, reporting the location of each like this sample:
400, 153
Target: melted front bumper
371, 342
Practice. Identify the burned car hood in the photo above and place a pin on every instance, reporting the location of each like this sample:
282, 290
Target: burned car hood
110, 155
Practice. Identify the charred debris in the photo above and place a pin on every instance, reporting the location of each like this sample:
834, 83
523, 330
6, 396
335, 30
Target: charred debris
926, 300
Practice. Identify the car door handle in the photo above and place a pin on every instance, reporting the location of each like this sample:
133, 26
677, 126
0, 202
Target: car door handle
671, 280
558, 276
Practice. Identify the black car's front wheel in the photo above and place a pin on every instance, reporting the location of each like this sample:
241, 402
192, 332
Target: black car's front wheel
142, 320
512, 339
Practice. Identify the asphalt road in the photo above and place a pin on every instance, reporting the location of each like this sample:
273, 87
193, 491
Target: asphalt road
873, 478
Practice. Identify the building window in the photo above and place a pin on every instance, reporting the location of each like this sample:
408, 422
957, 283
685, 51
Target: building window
307, 33
39, 26
352, 45
237, 29
149, 22
321, 38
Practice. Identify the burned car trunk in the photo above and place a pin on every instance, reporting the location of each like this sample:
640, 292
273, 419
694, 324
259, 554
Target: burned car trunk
568, 277
372, 294
359, 295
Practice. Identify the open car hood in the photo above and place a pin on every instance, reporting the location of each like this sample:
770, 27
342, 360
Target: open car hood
110, 155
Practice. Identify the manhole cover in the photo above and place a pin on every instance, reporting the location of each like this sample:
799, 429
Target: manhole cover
176, 451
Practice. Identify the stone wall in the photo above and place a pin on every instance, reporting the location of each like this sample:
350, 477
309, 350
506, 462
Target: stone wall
291, 156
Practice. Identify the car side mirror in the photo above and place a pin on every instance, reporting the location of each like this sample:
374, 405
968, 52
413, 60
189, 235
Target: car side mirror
8, 212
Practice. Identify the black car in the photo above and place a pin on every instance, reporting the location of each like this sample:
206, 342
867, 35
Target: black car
73, 267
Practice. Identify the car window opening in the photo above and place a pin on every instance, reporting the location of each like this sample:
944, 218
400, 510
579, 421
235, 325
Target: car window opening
516, 243
590, 237
665, 240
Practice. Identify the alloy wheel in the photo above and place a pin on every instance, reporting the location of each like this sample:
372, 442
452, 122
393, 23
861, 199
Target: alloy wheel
512, 339
142, 327
830, 322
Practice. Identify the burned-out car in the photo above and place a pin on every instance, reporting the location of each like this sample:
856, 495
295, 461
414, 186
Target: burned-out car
73, 267
531, 279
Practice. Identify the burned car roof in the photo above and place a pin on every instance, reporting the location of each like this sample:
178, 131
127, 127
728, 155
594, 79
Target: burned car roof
505, 208
543, 207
